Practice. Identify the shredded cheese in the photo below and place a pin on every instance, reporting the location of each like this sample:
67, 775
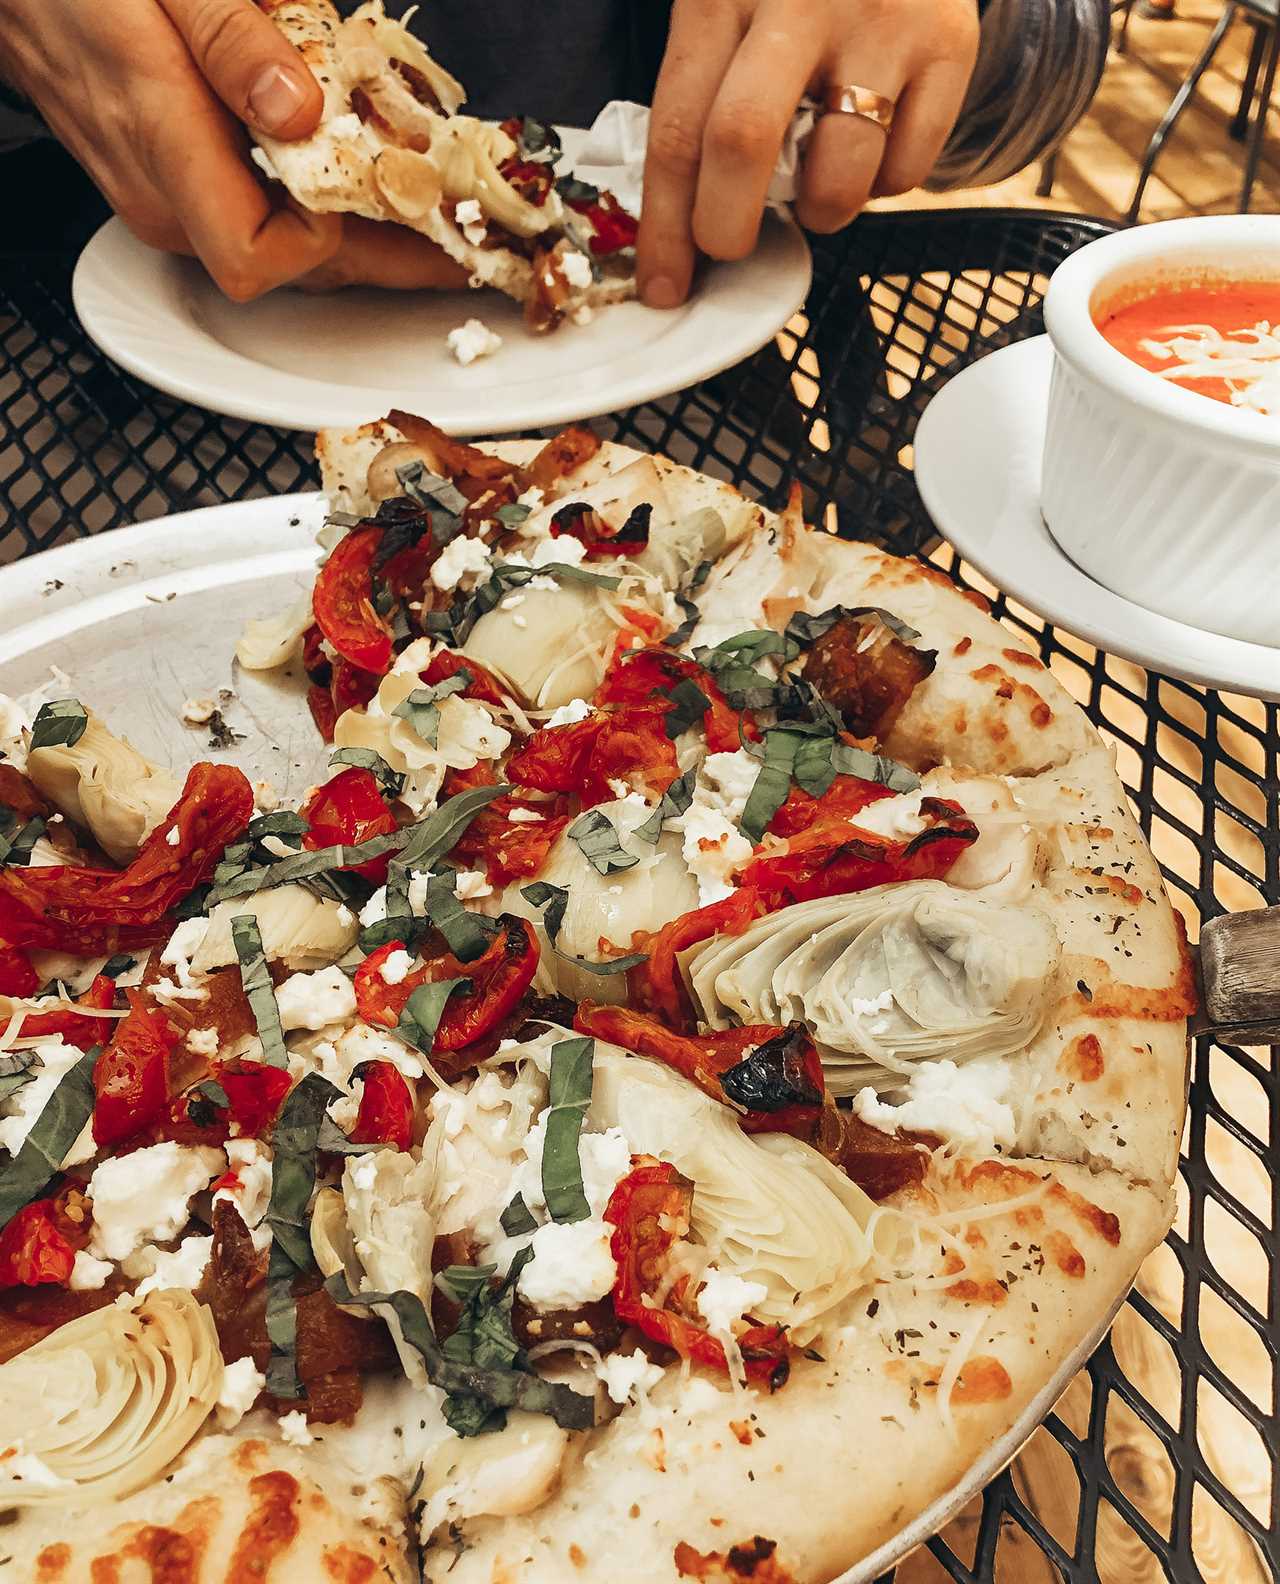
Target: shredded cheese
956, 1362
1247, 360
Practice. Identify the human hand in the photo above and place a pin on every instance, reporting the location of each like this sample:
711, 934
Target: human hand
733, 75
152, 97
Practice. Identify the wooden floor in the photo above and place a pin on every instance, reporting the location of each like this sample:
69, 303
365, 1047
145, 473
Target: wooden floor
1199, 173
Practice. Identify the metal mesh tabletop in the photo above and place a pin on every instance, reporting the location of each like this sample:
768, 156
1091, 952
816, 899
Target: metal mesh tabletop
1160, 1460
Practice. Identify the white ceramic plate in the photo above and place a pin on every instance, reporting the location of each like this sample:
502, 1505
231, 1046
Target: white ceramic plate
304, 361
977, 464
142, 618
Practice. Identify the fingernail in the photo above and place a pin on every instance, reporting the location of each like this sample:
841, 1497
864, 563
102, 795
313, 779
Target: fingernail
660, 291
275, 98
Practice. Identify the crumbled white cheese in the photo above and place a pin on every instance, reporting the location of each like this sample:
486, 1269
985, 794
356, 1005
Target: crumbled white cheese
241, 1383
26, 1102
729, 778
182, 946
315, 1000
471, 885
571, 1265
395, 969
174, 837
198, 711
724, 1299
627, 1375
203, 1042
868, 1006
473, 340
180, 1267
524, 816
88, 1274
346, 1110
249, 1167
142, 1197
965, 1104
563, 548
461, 558
345, 916
576, 268
568, 714
713, 848
375, 909
468, 212
893, 816
293, 1429
605, 1158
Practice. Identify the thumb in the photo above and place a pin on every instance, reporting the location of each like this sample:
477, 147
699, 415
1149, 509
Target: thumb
250, 65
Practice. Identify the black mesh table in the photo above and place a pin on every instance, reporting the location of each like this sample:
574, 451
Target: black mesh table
1160, 1462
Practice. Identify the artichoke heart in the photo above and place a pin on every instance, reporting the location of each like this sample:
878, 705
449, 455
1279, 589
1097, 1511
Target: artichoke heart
105, 1402
888, 977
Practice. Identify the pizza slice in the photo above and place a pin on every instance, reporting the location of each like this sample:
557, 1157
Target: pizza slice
393, 145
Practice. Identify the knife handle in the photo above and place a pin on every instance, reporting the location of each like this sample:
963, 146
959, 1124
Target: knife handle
1240, 978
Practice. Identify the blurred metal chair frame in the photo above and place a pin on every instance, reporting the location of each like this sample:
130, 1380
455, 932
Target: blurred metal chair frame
1049, 169
1255, 100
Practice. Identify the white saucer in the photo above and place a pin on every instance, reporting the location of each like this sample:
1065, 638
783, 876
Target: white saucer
305, 361
977, 465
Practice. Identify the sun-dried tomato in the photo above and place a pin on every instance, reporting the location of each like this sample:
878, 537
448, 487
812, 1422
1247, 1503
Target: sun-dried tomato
255, 1093
348, 809
658, 982
498, 979
350, 687
636, 675
315, 662
483, 685
320, 703
343, 602
791, 1067
386, 1107
84, 911
20, 795
583, 757
17, 976
577, 520
648, 1210
131, 1077
33, 1251
75, 1029
834, 857
613, 228
844, 799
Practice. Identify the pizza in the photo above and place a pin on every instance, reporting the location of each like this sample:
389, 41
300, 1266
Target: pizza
393, 144
705, 1057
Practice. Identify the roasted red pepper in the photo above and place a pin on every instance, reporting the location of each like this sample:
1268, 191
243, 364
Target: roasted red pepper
343, 602
346, 810
498, 980
33, 1252
506, 845
833, 857
83, 1032
637, 674
255, 1093
483, 684
131, 1077
788, 1079
658, 982
17, 977
613, 227
386, 1107
91, 910
843, 800
320, 703
648, 1210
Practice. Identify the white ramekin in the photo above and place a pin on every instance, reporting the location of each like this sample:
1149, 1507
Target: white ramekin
1160, 494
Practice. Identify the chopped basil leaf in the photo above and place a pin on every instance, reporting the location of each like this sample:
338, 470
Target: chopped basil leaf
456, 623
399, 924
428, 489
573, 190
213, 1092
293, 1179
15, 848
389, 780
517, 1219
538, 141
513, 513
17, 1068
285, 826
612, 965
49, 1139
689, 704
732, 663
873, 767
555, 899
675, 801
570, 1095
432, 837
60, 723
493, 1389
597, 841
468, 935
680, 635
772, 784
422, 708
121, 963
258, 989
423, 1011
333, 1141
804, 629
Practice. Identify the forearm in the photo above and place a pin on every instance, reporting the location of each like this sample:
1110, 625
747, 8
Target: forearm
1039, 65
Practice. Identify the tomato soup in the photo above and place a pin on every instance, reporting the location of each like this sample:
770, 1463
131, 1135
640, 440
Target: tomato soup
1221, 339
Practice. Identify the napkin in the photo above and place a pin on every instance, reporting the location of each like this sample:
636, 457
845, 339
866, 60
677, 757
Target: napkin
612, 153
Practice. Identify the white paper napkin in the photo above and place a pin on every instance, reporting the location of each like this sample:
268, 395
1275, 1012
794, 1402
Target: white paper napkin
612, 154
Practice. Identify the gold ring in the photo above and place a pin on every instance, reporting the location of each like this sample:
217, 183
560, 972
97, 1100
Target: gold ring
850, 99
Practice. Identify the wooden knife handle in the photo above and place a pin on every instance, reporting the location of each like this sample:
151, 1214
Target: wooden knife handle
1240, 978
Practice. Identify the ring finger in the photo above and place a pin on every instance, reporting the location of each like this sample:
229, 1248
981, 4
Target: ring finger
845, 150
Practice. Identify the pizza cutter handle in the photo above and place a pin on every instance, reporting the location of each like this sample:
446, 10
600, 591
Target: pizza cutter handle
1240, 978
